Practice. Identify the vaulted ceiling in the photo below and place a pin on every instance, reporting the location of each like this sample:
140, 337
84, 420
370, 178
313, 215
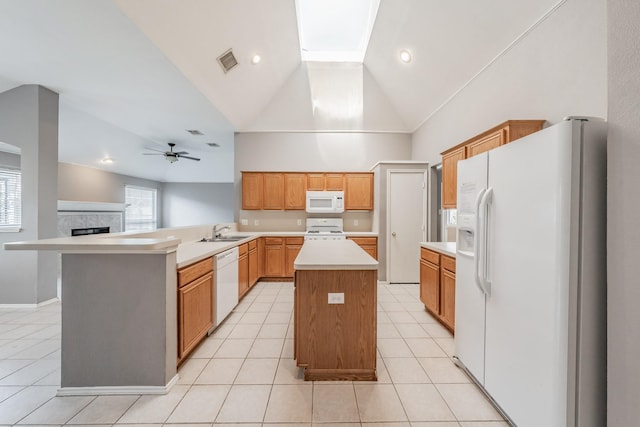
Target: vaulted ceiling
139, 73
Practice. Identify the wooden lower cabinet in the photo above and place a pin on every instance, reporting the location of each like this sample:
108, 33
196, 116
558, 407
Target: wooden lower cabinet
438, 286
291, 249
243, 269
274, 257
195, 306
369, 244
253, 263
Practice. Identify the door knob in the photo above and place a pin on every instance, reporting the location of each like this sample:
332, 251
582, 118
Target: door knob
393, 234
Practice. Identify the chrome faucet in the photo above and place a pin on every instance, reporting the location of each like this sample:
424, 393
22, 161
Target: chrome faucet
215, 233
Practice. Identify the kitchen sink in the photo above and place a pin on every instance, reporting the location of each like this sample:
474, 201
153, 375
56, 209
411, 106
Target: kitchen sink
225, 239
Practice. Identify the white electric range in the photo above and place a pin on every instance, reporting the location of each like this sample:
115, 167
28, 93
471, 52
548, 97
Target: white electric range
324, 229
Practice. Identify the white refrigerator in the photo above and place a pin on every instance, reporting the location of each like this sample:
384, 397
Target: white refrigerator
531, 275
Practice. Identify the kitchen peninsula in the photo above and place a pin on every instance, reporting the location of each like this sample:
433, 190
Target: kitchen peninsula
335, 307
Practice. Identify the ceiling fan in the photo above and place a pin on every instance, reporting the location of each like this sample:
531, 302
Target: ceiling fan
171, 156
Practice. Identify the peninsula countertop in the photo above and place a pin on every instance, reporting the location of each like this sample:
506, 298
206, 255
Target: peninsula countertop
446, 248
333, 255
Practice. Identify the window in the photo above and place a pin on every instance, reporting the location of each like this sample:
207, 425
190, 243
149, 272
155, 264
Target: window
10, 199
141, 208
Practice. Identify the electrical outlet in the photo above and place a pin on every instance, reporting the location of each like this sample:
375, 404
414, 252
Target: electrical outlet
256, 222
244, 221
355, 222
336, 298
299, 222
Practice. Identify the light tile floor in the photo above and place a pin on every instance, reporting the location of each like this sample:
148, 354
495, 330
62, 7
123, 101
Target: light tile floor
245, 373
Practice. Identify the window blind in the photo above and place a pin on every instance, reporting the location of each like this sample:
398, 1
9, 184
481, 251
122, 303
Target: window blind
10, 197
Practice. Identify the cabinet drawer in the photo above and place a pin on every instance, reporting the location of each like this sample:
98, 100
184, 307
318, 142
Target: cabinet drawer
364, 240
294, 240
253, 244
243, 249
193, 271
431, 256
273, 240
449, 263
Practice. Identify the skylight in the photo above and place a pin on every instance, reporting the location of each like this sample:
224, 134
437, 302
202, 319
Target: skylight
335, 30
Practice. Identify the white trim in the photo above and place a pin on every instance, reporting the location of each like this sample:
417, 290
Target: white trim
31, 306
10, 229
324, 131
74, 206
112, 390
399, 162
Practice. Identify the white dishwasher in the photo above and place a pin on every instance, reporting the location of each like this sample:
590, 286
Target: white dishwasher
226, 285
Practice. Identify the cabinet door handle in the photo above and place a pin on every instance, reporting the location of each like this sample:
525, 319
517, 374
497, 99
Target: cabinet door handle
393, 234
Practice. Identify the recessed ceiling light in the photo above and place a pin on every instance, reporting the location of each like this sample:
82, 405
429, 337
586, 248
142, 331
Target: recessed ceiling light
255, 59
405, 56
107, 161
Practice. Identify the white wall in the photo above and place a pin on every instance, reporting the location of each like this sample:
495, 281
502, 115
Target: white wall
309, 152
196, 203
556, 70
623, 269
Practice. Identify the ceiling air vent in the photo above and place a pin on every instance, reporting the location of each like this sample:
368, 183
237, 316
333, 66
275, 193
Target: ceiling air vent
194, 132
213, 144
227, 61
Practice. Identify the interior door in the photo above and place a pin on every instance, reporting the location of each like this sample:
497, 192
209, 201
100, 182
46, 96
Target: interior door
406, 224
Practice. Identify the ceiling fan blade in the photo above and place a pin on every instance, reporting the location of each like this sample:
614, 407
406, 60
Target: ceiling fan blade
181, 152
190, 158
153, 154
154, 149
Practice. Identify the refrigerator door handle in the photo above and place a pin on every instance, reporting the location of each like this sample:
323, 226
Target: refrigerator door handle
477, 243
487, 200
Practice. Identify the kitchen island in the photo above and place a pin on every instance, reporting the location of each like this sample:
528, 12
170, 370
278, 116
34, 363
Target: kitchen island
335, 307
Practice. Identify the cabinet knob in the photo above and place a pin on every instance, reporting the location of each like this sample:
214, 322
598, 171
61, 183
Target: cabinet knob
393, 234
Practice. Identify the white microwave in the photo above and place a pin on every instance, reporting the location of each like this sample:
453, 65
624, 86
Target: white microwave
325, 201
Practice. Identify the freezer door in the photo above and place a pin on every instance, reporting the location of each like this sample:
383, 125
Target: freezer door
470, 299
528, 242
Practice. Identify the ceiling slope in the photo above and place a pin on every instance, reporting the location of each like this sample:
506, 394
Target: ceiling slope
321, 96
451, 41
193, 33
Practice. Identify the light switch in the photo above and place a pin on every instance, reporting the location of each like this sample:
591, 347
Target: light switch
256, 222
244, 221
299, 222
355, 222
336, 298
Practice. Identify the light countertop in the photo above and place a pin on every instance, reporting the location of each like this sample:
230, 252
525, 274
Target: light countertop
446, 248
333, 255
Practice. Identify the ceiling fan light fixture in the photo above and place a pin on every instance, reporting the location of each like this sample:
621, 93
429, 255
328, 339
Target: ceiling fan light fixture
107, 161
405, 56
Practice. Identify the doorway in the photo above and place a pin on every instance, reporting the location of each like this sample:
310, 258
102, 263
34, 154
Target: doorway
406, 224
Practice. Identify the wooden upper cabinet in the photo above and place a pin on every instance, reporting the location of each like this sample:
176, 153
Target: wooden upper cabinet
273, 191
334, 181
295, 187
251, 190
504, 133
325, 181
358, 193
450, 176
487, 143
315, 181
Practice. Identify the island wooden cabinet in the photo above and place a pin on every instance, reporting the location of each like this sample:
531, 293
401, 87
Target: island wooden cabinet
369, 244
504, 133
358, 193
253, 263
438, 286
195, 305
243, 269
287, 190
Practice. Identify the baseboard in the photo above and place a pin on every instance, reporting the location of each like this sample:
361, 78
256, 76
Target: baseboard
113, 390
31, 306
